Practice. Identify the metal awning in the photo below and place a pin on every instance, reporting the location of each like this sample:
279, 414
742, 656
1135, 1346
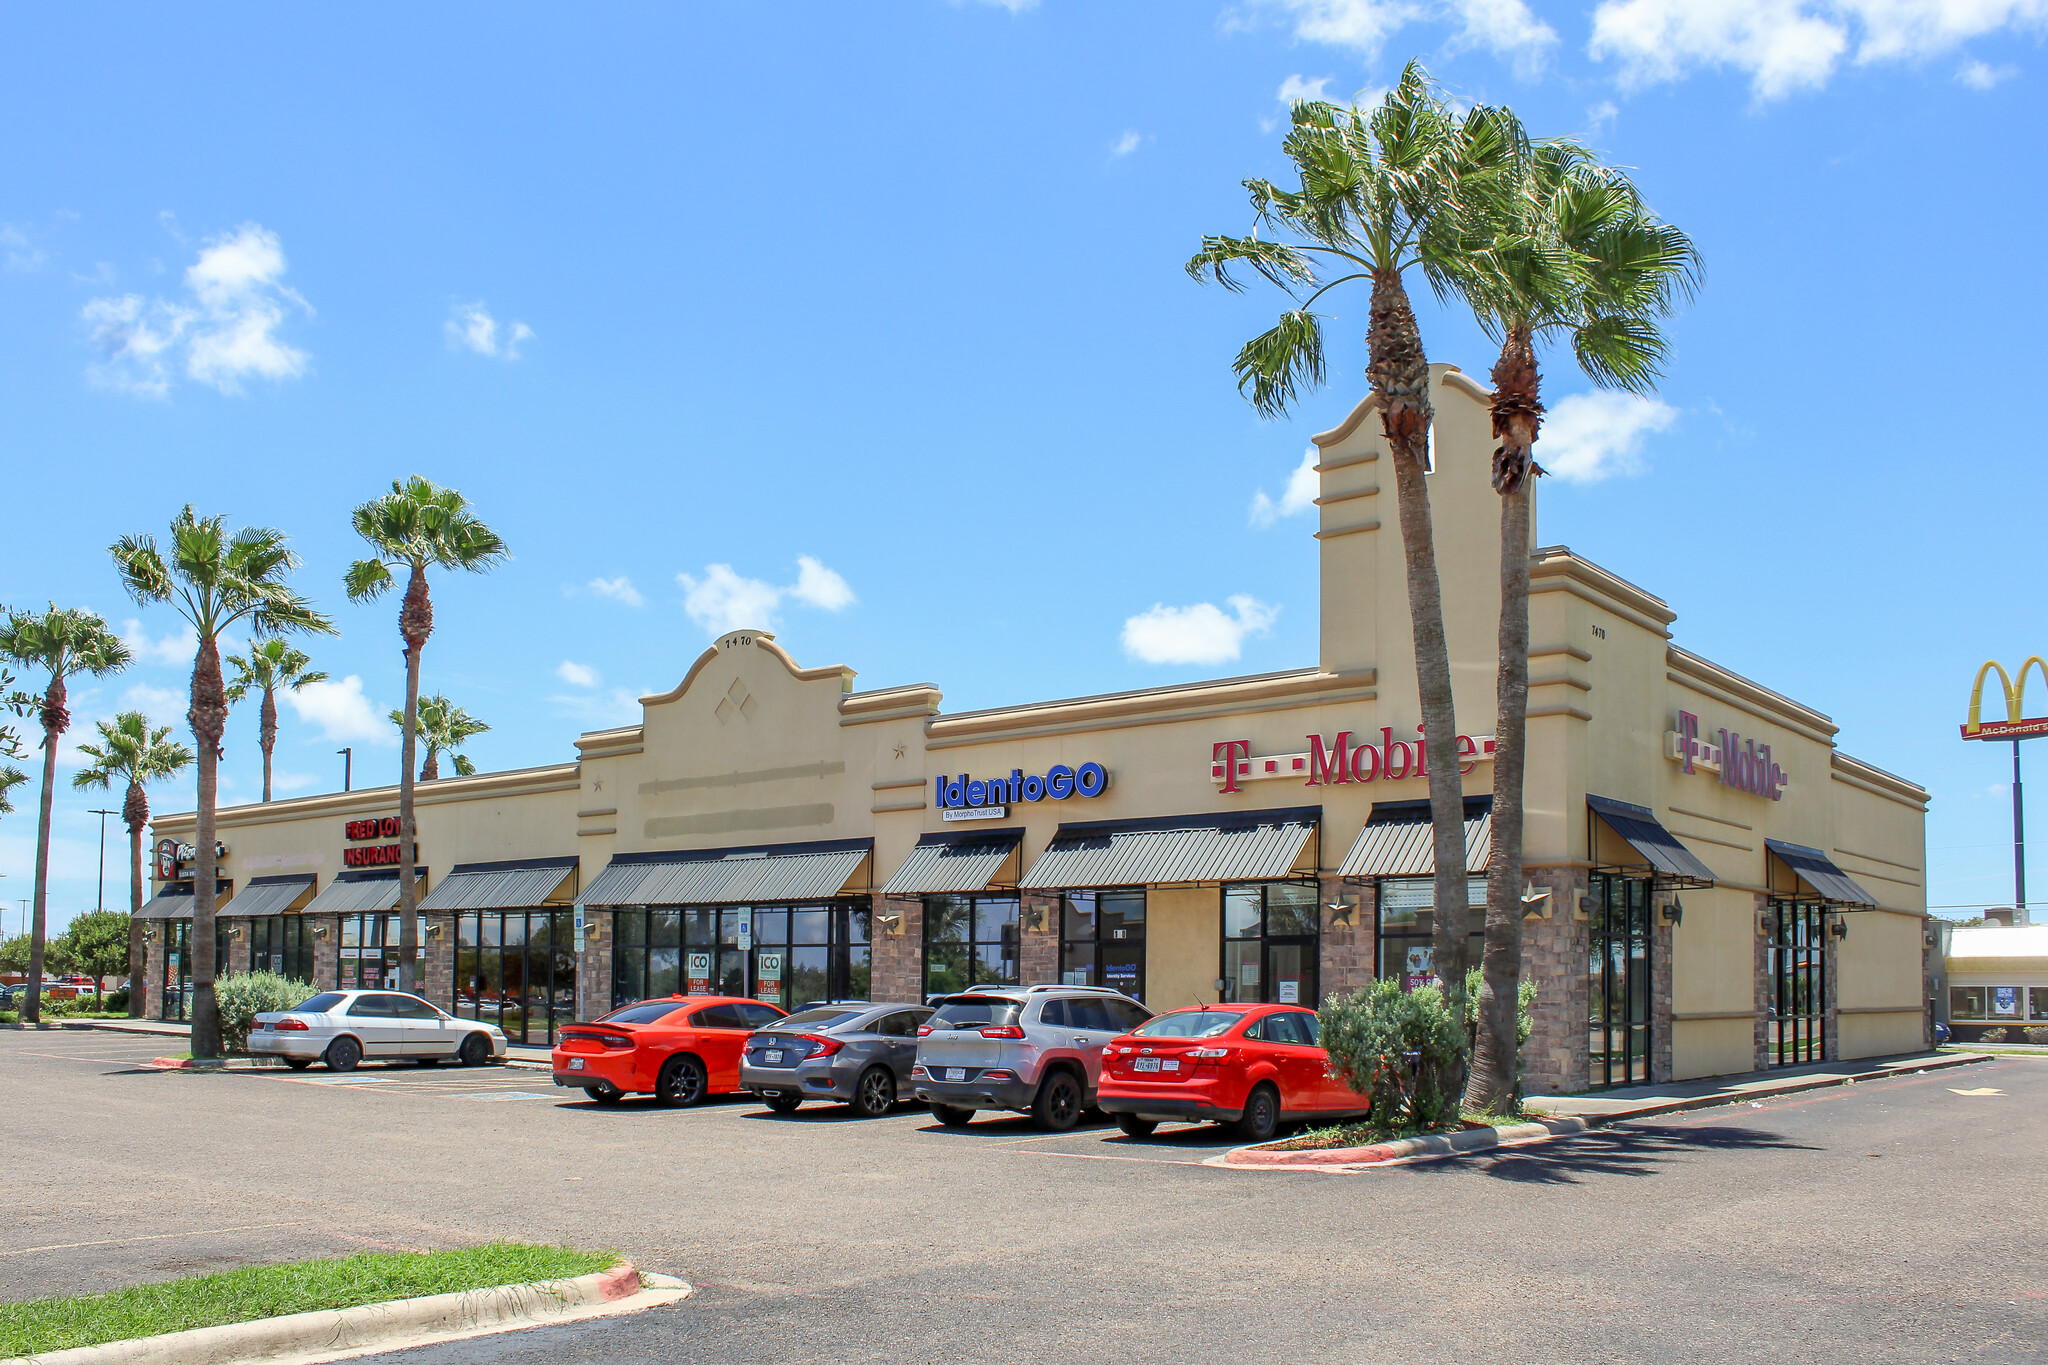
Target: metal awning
1671, 863
272, 895
956, 861
737, 876
174, 901
1397, 840
1832, 885
1239, 846
353, 892
510, 885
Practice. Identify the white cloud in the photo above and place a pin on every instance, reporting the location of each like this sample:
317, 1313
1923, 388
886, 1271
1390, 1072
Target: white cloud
471, 327
1200, 634
1129, 142
1785, 46
1013, 6
820, 586
575, 674
1298, 87
722, 601
1506, 27
22, 254
1302, 487
291, 782
225, 333
1601, 117
1983, 76
342, 712
614, 706
1588, 437
619, 589
172, 651
162, 705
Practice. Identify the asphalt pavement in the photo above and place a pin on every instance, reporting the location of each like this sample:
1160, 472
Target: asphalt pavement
1892, 1220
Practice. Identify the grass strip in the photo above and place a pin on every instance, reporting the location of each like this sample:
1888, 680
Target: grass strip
270, 1291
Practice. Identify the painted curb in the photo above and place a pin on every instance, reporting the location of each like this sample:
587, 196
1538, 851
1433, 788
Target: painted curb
1515, 1134
331, 1334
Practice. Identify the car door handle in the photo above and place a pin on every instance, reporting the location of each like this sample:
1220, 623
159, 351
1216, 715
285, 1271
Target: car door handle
1080, 1042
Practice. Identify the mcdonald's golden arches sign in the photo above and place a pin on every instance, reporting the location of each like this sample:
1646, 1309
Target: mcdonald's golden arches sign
2016, 724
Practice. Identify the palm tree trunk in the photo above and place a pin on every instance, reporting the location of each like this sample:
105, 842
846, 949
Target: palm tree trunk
56, 719
1517, 413
135, 811
209, 718
1399, 371
267, 736
430, 771
415, 624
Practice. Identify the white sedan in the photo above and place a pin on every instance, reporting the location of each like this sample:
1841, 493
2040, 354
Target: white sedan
342, 1028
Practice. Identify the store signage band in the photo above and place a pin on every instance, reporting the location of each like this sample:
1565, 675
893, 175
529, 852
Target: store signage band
173, 858
1741, 763
1057, 782
1231, 761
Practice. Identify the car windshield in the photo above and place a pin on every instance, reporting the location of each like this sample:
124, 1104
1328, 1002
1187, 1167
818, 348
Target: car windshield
818, 1018
646, 1013
1189, 1024
976, 1012
319, 1004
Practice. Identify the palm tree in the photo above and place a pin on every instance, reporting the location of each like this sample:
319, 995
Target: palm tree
269, 665
10, 742
129, 750
1381, 191
1573, 256
63, 642
215, 581
443, 726
415, 526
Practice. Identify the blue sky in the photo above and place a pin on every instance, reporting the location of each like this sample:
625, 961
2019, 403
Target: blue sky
845, 315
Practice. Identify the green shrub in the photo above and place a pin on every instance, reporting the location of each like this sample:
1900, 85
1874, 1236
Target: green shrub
1525, 1021
117, 1001
1992, 1035
242, 997
71, 1008
1398, 1047
2038, 1036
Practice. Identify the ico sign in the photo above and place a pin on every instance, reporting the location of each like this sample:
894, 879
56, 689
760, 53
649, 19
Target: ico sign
1232, 763
2015, 725
1742, 763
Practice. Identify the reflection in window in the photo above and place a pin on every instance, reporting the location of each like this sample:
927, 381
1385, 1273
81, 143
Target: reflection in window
1271, 943
1102, 940
1408, 922
970, 941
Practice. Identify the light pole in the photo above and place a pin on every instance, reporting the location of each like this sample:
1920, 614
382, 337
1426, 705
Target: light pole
348, 758
103, 814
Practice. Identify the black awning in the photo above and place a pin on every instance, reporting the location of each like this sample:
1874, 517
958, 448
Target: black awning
1671, 863
1829, 883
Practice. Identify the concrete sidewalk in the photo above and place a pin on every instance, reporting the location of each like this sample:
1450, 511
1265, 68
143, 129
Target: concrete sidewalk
1612, 1106
516, 1054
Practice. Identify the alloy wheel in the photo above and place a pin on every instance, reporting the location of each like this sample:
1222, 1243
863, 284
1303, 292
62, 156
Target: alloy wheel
681, 1083
877, 1092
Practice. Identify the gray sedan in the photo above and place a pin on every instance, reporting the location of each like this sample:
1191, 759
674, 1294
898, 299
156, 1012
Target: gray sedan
342, 1028
855, 1052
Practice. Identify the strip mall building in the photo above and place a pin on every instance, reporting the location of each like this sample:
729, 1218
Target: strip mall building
1728, 890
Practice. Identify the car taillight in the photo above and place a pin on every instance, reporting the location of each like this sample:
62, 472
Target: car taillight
1213, 1054
997, 1074
820, 1047
295, 1025
1108, 1051
923, 1029
1003, 1031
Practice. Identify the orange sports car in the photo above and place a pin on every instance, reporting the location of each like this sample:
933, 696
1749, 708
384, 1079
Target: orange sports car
678, 1050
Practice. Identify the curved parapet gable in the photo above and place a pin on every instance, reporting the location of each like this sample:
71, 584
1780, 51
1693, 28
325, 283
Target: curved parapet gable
760, 639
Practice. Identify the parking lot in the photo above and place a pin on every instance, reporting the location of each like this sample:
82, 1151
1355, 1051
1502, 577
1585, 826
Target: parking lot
1885, 1221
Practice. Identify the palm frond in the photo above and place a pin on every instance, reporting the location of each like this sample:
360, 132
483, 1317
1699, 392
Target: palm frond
1280, 364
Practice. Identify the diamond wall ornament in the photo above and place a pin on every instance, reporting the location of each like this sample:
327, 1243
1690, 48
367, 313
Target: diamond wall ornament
736, 701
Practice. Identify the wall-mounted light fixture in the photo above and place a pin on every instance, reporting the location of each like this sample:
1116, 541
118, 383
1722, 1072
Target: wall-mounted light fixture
1674, 913
1222, 984
319, 931
234, 931
1584, 911
891, 924
1034, 918
149, 935
433, 928
1840, 928
1344, 909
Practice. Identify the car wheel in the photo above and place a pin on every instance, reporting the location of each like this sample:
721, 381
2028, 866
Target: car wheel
1261, 1117
681, 1083
874, 1094
951, 1117
298, 1063
1134, 1126
476, 1050
343, 1054
783, 1104
1058, 1105
603, 1094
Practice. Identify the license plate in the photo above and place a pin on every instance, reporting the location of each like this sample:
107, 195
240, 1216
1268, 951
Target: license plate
575, 1063
956, 1073
1145, 1064
773, 1056
1169, 1065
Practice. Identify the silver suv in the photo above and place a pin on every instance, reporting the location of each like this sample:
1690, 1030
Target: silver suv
1033, 1049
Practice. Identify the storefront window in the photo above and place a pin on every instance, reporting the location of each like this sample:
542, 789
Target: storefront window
1271, 943
2005, 1002
1407, 920
1618, 975
517, 969
1102, 940
970, 941
1966, 1002
796, 953
1797, 1025
2037, 1002
283, 945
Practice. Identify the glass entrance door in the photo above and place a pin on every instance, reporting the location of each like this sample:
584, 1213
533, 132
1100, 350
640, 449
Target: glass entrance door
1618, 981
176, 986
1796, 1030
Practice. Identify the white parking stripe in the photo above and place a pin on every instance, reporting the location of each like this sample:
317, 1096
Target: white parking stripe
152, 1237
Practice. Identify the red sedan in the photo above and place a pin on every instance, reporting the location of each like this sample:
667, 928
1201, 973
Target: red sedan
678, 1050
1255, 1066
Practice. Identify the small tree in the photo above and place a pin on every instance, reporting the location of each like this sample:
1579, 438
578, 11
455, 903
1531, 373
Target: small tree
1403, 1048
96, 945
131, 752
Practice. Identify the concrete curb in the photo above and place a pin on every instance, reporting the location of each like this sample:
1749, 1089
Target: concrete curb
335, 1334
1518, 1134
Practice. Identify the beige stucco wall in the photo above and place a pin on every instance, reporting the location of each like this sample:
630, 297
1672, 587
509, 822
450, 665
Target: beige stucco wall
1183, 934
